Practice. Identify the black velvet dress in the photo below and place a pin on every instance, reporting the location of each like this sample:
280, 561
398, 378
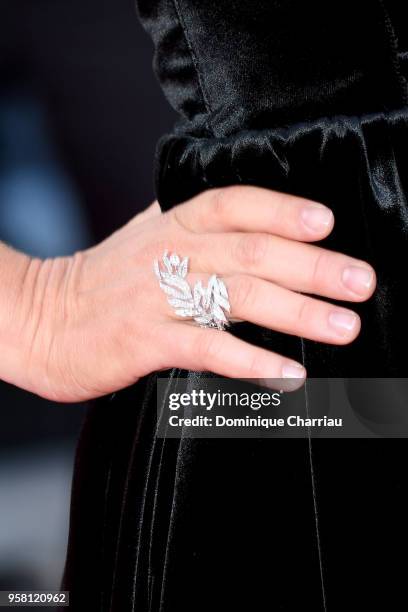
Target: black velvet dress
308, 98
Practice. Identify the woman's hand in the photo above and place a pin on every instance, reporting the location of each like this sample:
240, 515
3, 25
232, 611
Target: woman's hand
98, 321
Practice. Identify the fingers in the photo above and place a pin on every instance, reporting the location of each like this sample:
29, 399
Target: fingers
263, 233
294, 265
253, 209
269, 305
211, 350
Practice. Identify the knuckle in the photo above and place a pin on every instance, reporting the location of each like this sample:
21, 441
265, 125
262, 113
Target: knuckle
223, 201
207, 347
282, 211
255, 366
251, 249
277, 210
320, 269
183, 219
280, 203
242, 293
304, 311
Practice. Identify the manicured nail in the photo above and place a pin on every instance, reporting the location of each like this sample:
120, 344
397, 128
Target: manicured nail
343, 322
293, 370
358, 279
316, 217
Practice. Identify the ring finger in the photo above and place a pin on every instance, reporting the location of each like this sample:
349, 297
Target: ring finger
269, 305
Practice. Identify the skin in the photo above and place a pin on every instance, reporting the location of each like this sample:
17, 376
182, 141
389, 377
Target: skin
79, 327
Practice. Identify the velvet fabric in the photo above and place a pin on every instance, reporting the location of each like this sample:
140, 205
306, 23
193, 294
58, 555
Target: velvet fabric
308, 98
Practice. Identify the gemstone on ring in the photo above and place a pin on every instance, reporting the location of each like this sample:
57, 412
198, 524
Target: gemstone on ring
206, 305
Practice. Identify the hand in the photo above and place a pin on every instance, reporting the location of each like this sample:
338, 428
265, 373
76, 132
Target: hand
100, 321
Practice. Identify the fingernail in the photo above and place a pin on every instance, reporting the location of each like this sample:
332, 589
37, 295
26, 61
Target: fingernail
343, 322
358, 279
316, 217
293, 370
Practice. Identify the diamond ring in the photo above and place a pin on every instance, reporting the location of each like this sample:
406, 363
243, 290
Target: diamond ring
206, 305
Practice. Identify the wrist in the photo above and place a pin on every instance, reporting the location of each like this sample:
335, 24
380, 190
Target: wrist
14, 269
30, 305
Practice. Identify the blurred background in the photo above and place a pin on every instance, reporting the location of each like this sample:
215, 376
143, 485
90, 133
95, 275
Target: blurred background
80, 114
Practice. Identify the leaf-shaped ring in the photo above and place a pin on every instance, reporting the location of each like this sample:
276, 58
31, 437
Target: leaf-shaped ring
206, 305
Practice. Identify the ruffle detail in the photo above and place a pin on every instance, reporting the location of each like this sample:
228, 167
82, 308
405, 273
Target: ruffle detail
187, 164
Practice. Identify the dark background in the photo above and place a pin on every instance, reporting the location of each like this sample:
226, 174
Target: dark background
80, 114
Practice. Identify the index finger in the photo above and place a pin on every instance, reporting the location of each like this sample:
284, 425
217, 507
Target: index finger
255, 209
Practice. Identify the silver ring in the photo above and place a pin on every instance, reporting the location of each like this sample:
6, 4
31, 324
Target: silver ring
206, 305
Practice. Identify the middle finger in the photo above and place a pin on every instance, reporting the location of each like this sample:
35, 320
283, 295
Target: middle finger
295, 265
